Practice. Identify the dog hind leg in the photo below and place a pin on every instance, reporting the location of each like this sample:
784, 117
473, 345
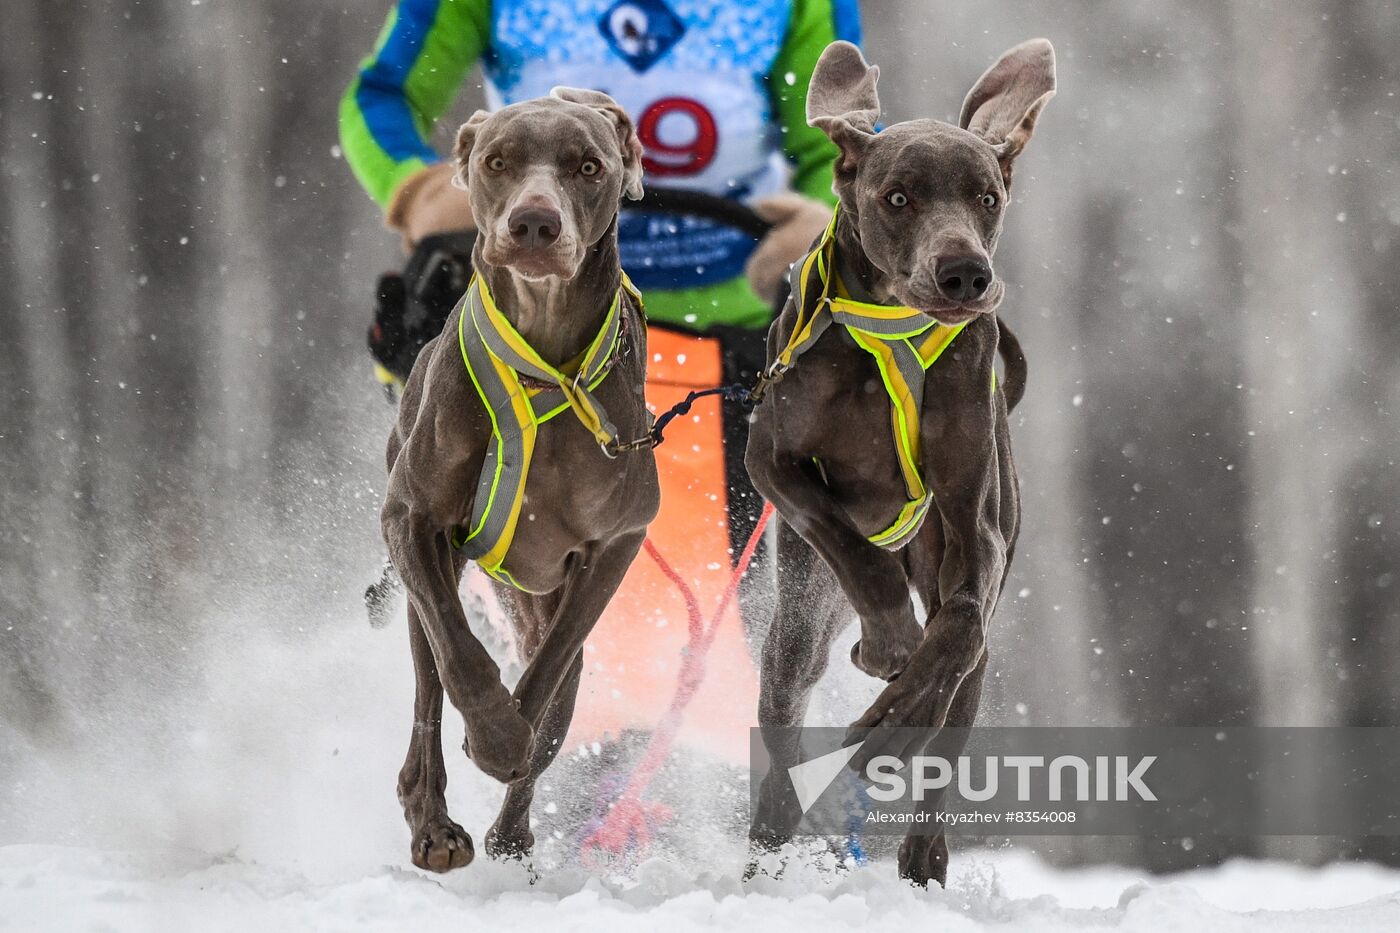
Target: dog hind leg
511, 837
593, 578
811, 611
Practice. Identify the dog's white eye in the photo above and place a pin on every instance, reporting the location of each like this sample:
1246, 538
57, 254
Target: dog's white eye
589, 167
496, 164
989, 200
896, 199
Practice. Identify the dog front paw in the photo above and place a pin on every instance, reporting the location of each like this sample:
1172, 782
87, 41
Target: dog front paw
499, 740
923, 859
906, 702
441, 845
904, 717
768, 854
510, 842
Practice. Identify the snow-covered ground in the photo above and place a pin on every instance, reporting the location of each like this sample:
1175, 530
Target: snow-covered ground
259, 796
60, 888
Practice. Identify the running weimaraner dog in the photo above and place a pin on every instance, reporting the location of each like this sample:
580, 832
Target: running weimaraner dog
921, 205
545, 178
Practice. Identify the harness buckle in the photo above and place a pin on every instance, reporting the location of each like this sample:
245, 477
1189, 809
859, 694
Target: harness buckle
770, 377
612, 448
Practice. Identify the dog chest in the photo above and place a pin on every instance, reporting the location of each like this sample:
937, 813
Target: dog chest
573, 494
833, 413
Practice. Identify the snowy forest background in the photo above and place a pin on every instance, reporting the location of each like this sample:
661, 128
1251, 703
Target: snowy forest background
1205, 256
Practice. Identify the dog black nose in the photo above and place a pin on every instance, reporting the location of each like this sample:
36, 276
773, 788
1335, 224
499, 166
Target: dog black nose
534, 226
963, 278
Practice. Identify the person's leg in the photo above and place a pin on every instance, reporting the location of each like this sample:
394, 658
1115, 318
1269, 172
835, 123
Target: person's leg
743, 352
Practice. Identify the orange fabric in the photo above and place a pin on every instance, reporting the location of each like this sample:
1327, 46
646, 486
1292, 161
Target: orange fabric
633, 657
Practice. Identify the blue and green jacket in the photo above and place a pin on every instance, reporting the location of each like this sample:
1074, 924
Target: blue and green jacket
716, 88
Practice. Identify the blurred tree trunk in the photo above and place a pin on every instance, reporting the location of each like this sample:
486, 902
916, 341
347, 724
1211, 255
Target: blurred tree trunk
1300, 316
48, 553
184, 262
1363, 84
1160, 468
1298, 311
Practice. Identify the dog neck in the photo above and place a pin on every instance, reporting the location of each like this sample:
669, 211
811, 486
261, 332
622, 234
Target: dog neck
558, 318
862, 278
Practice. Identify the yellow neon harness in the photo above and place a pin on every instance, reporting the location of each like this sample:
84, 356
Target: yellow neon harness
496, 356
904, 342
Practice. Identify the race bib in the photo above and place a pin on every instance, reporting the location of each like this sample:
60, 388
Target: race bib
692, 76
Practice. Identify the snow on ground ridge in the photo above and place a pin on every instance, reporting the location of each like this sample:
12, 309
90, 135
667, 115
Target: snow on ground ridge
56, 887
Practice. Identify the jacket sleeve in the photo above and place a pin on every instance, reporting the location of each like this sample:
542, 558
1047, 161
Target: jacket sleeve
388, 112
814, 25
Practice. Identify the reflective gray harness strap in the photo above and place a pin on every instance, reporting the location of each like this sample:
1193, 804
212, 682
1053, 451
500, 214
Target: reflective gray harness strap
911, 367
504, 466
888, 333
887, 329
495, 369
819, 321
914, 322
550, 399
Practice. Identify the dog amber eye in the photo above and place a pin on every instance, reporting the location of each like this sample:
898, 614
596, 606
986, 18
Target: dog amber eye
896, 199
989, 201
589, 167
496, 164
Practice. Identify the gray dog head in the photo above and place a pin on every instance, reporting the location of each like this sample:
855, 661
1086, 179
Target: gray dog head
545, 177
927, 197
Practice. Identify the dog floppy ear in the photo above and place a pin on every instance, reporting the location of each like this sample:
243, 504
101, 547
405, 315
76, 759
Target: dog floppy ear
627, 140
1006, 101
842, 103
462, 151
